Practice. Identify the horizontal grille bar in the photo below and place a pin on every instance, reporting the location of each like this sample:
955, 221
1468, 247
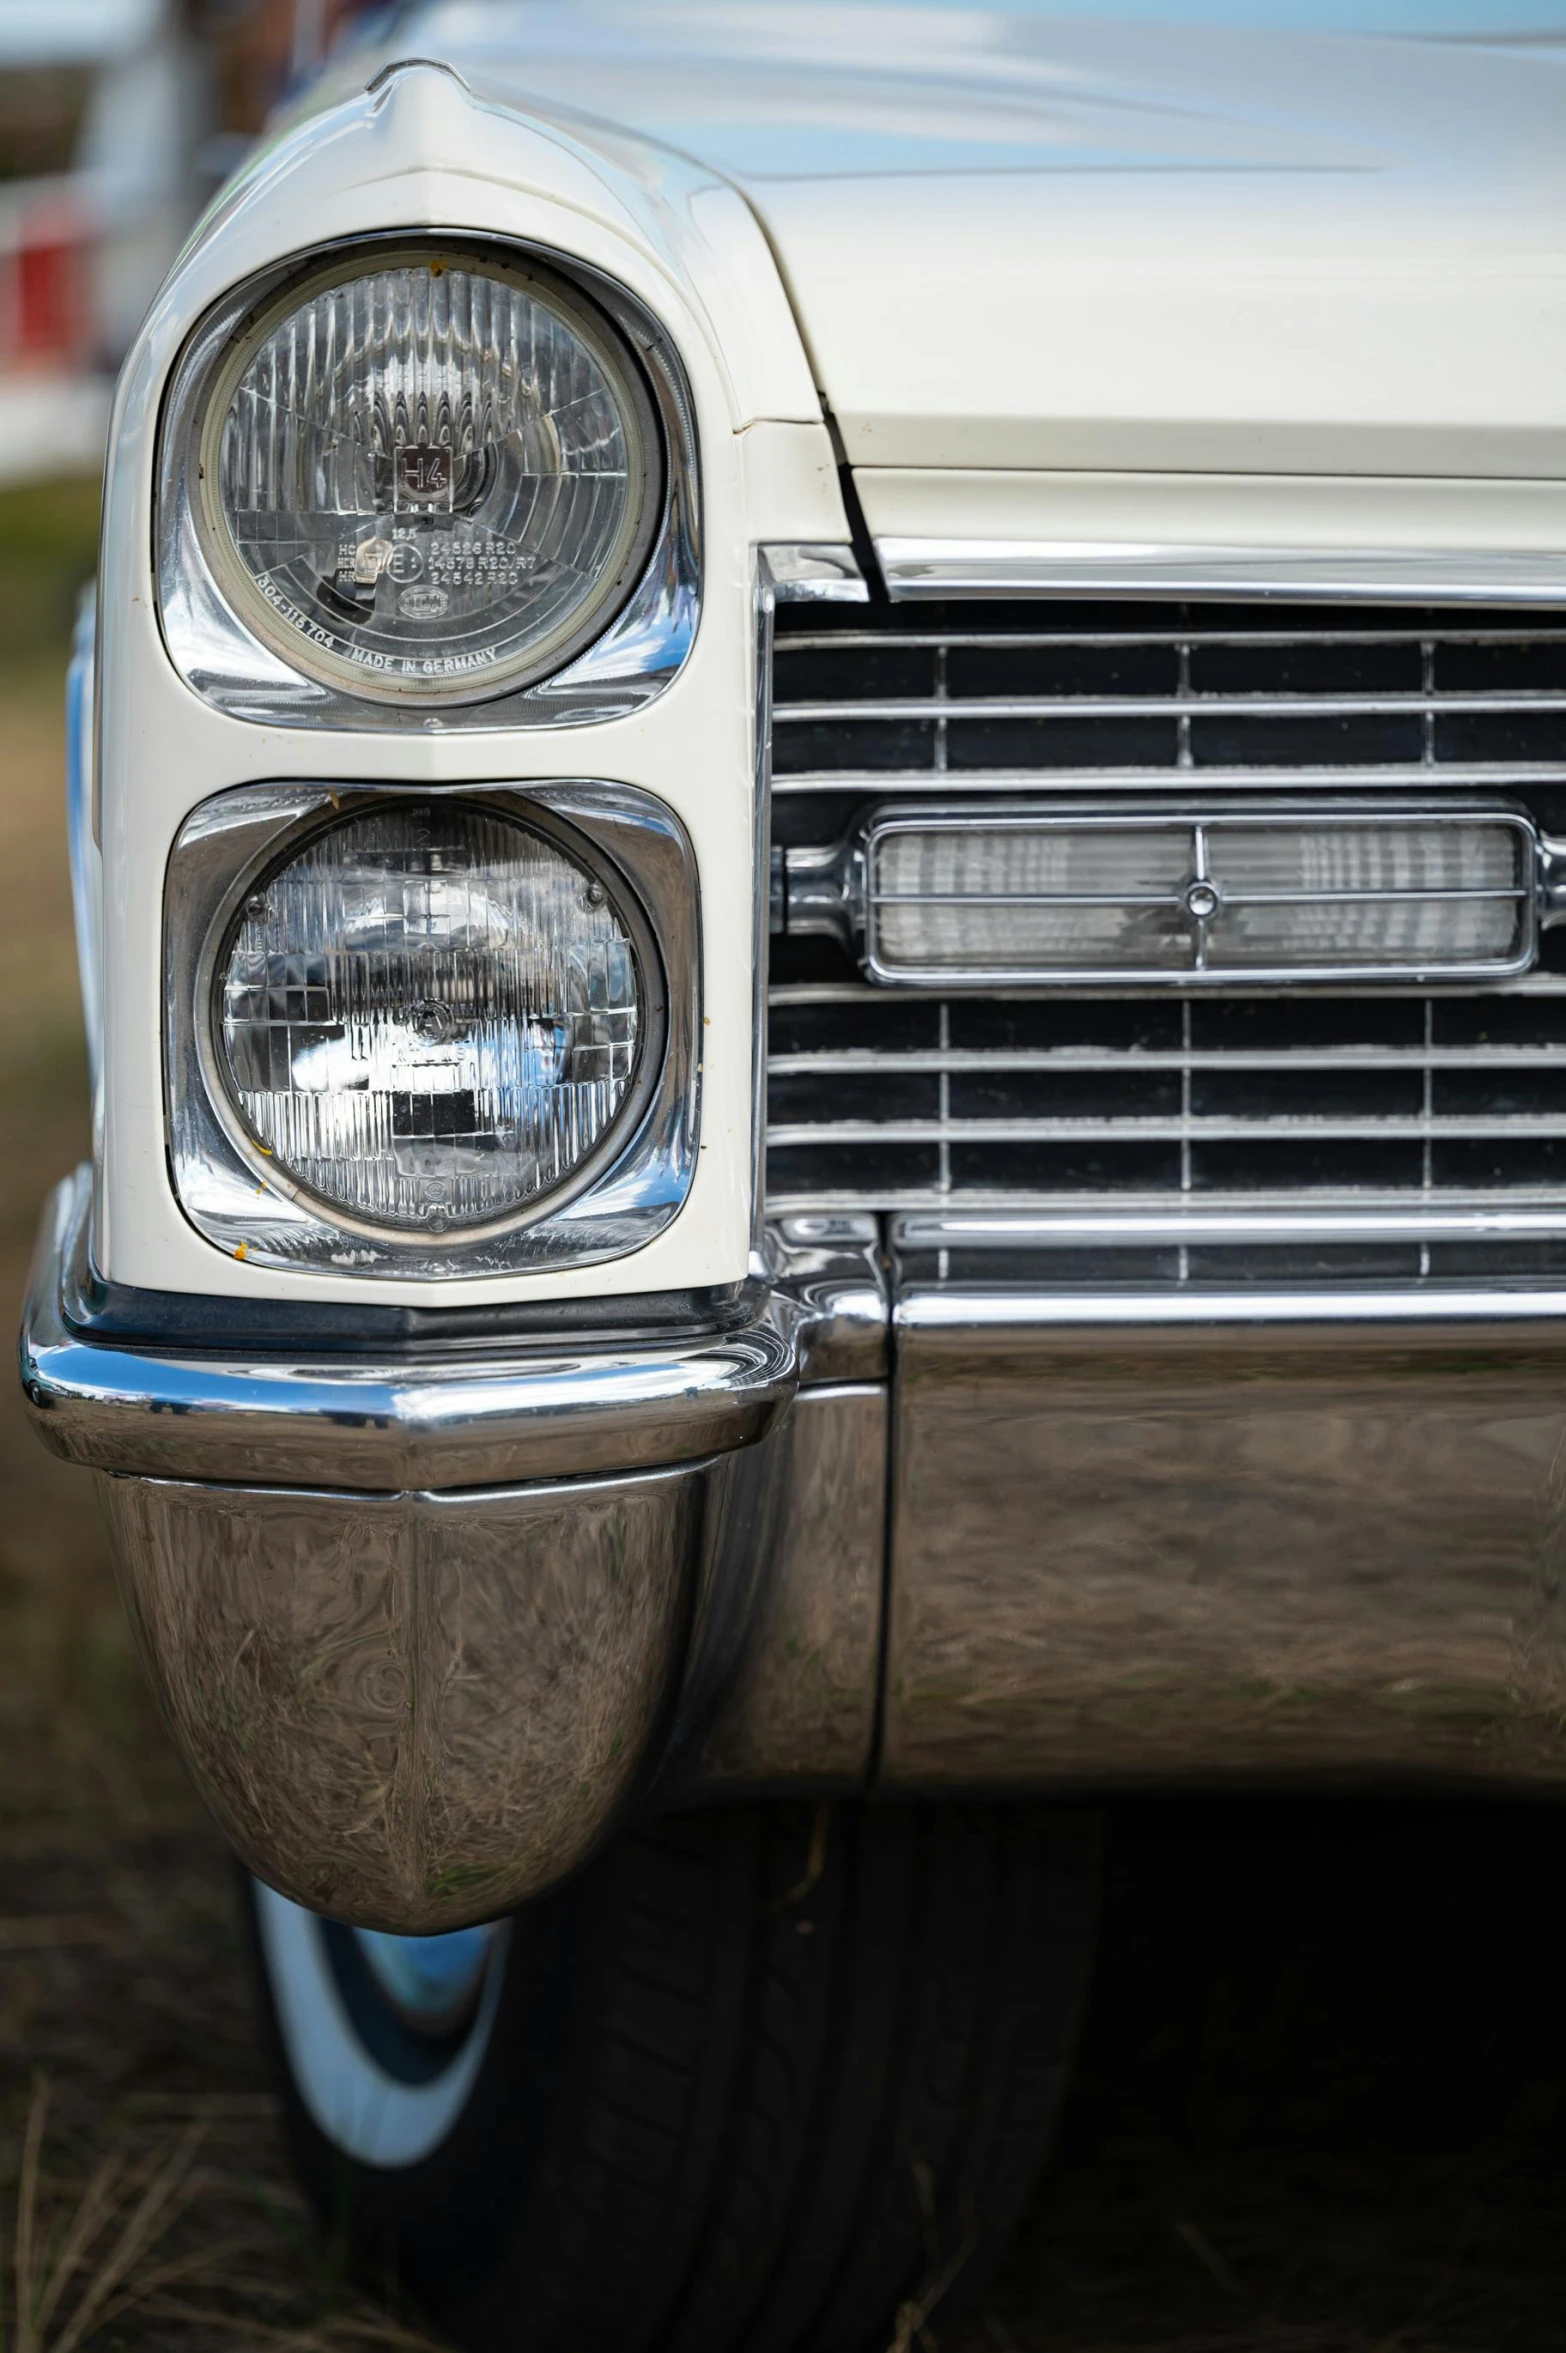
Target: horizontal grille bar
856, 637
1549, 986
847, 1063
1034, 1131
1502, 775
1255, 706
995, 1231
1083, 1209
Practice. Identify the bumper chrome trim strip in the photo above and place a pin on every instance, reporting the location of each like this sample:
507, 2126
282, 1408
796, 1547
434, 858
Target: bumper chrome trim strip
439, 1422
549, 1410
951, 1309
1070, 1230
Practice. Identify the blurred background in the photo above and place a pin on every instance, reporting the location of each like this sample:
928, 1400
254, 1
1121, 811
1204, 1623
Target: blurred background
118, 119
1321, 2106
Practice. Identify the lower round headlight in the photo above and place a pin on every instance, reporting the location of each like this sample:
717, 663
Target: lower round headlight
430, 1017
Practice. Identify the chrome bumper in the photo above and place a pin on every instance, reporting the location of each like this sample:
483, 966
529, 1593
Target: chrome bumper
1246, 1537
425, 1629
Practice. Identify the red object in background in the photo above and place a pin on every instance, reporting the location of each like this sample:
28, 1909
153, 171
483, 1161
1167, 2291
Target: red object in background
50, 309
44, 297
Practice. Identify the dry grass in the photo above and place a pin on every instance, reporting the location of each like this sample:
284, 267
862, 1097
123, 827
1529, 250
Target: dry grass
1322, 2105
155, 2235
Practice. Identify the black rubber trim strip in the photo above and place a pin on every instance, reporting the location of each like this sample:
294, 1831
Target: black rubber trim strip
122, 1315
858, 529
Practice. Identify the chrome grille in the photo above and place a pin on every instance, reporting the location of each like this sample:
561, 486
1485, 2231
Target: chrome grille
1401, 1098
997, 692
1369, 1130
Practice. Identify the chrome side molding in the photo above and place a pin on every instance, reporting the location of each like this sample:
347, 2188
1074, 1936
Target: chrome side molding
928, 569
816, 574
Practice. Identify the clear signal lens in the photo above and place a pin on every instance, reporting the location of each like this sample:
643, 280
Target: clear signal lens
1154, 896
1044, 896
432, 479
430, 1018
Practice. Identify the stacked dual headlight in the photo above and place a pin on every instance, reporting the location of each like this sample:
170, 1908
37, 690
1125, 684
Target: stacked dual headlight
428, 477
430, 1016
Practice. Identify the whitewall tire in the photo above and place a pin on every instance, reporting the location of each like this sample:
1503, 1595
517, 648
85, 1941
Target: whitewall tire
380, 2103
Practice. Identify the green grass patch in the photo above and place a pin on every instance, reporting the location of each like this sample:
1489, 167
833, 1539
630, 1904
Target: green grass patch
48, 548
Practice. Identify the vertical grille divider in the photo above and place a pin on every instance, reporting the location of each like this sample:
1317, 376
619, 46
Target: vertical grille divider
1183, 754
940, 716
1185, 1123
946, 1101
1427, 1173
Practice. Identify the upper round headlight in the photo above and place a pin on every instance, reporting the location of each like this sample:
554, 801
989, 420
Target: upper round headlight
431, 478
431, 1017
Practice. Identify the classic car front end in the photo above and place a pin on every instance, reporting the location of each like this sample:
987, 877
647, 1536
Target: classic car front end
819, 819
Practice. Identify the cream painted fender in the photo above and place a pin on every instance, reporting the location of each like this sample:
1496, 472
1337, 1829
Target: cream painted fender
418, 150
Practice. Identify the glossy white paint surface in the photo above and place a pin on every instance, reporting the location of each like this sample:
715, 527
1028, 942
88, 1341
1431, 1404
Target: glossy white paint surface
1025, 238
1340, 512
422, 152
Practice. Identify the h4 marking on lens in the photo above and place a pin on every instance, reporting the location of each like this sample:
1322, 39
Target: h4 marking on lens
423, 470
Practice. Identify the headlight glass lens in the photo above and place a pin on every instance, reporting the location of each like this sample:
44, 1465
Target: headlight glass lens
430, 1018
431, 479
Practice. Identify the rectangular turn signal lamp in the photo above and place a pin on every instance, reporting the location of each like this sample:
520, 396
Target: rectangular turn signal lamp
1005, 895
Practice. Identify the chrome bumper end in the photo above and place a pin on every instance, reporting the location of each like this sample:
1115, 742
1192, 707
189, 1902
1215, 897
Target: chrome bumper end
424, 1628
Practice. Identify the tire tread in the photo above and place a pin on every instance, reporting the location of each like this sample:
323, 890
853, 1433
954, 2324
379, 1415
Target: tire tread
735, 2108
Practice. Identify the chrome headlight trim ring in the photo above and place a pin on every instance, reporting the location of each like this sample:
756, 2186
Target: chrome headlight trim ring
632, 644
594, 614
624, 1192
222, 1086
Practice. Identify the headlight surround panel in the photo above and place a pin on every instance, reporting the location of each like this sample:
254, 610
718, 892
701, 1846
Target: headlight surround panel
241, 1192
256, 648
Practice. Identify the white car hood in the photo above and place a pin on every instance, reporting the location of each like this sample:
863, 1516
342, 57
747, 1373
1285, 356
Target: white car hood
1016, 239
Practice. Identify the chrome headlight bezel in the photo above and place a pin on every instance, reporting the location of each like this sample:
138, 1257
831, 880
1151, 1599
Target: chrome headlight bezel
428, 689
223, 1089
626, 1190
246, 661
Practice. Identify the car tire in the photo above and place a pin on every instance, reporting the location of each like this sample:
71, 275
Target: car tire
765, 2078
